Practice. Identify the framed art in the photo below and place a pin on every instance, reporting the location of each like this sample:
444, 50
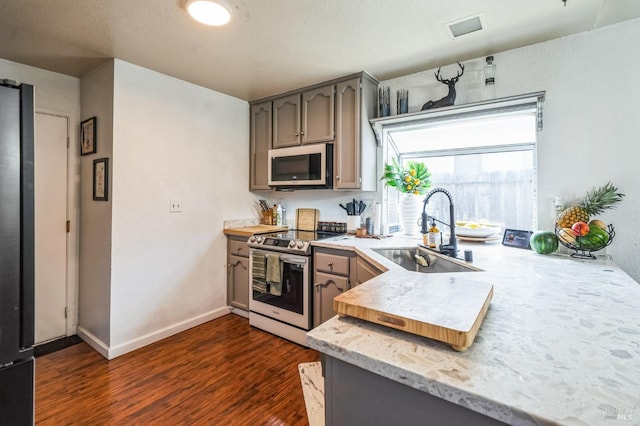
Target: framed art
101, 179
88, 142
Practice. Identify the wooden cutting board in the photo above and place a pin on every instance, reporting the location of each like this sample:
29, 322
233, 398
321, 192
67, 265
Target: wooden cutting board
448, 309
247, 231
307, 219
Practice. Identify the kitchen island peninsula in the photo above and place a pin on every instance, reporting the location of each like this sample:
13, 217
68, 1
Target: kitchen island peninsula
560, 344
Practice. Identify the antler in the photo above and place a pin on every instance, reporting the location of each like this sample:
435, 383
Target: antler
449, 80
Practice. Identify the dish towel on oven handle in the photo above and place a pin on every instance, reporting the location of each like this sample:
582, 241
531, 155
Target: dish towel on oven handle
258, 266
259, 263
273, 274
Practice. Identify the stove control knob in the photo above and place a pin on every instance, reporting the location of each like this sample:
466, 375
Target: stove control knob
300, 244
252, 238
292, 244
259, 239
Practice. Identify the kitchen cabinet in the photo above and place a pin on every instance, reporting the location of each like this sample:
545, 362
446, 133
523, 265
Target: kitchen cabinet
355, 151
260, 144
305, 117
365, 270
337, 112
331, 277
238, 272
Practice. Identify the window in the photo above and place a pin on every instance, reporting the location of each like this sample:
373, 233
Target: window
483, 154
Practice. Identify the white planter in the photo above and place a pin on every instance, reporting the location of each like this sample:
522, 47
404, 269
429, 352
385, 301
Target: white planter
410, 209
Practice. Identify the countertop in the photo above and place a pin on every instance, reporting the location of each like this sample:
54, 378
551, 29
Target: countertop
560, 343
247, 231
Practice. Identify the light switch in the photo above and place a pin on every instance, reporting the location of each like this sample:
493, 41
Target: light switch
175, 206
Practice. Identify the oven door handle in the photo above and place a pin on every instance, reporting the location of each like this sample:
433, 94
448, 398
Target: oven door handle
299, 260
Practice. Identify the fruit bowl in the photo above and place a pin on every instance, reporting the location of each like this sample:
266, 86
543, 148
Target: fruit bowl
583, 250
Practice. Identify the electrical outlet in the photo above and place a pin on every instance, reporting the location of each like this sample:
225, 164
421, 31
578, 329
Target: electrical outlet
175, 206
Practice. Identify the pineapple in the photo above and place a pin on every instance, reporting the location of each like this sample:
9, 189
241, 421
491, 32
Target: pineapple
595, 202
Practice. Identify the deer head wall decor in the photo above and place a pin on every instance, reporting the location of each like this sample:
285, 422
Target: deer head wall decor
451, 96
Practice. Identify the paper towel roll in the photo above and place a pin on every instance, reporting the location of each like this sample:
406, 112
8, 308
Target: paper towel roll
377, 218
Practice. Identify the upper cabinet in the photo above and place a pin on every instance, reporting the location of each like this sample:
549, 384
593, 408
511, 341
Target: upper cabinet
336, 112
355, 149
260, 144
306, 117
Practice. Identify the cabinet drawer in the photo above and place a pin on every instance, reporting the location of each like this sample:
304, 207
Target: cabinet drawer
238, 248
332, 263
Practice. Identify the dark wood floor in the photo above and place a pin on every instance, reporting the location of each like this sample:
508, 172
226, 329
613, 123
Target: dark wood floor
223, 372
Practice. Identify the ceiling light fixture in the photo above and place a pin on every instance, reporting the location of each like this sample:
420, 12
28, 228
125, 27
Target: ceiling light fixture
209, 12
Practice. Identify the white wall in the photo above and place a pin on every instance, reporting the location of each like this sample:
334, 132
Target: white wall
95, 223
590, 131
59, 94
172, 140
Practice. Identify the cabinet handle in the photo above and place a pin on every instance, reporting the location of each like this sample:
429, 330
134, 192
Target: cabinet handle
295, 134
238, 249
337, 177
302, 132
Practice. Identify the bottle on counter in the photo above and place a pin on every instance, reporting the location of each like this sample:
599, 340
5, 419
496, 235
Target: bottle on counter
433, 235
279, 213
283, 213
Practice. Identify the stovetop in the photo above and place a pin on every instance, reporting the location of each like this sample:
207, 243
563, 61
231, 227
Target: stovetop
293, 241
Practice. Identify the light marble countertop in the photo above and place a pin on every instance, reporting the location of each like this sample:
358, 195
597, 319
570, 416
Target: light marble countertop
560, 343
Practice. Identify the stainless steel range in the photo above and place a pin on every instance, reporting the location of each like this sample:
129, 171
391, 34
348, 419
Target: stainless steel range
280, 271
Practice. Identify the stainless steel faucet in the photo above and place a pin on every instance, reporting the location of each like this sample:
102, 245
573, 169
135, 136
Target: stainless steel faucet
450, 249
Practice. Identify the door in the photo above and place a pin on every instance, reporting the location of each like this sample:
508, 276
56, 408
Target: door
347, 155
261, 122
318, 115
50, 226
286, 121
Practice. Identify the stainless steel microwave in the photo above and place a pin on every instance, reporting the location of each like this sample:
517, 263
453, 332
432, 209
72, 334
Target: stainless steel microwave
301, 167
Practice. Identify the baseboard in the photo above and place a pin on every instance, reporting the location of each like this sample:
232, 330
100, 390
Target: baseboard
132, 345
91, 340
239, 312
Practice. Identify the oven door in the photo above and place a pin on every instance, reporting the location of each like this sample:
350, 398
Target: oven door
291, 304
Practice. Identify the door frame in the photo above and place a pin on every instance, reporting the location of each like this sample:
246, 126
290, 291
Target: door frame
73, 215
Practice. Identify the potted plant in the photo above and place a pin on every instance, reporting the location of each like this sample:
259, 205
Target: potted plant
411, 181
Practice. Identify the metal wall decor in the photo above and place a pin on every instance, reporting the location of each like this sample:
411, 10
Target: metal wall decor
451, 96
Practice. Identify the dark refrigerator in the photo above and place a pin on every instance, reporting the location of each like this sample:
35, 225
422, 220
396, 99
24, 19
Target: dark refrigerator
16, 254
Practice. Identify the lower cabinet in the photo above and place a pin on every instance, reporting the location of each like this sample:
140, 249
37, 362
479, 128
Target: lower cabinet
365, 271
354, 396
237, 272
331, 277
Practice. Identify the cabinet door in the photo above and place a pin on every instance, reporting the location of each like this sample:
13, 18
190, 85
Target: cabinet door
318, 115
261, 121
286, 121
347, 142
326, 288
364, 271
238, 282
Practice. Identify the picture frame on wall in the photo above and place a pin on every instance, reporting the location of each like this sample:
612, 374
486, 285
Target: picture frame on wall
101, 179
88, 142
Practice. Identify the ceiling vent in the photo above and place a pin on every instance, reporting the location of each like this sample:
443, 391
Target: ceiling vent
466, 25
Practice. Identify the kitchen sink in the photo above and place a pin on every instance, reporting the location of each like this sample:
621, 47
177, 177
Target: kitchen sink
419, 259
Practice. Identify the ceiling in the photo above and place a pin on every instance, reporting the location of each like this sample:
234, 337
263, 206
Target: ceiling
281, 45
